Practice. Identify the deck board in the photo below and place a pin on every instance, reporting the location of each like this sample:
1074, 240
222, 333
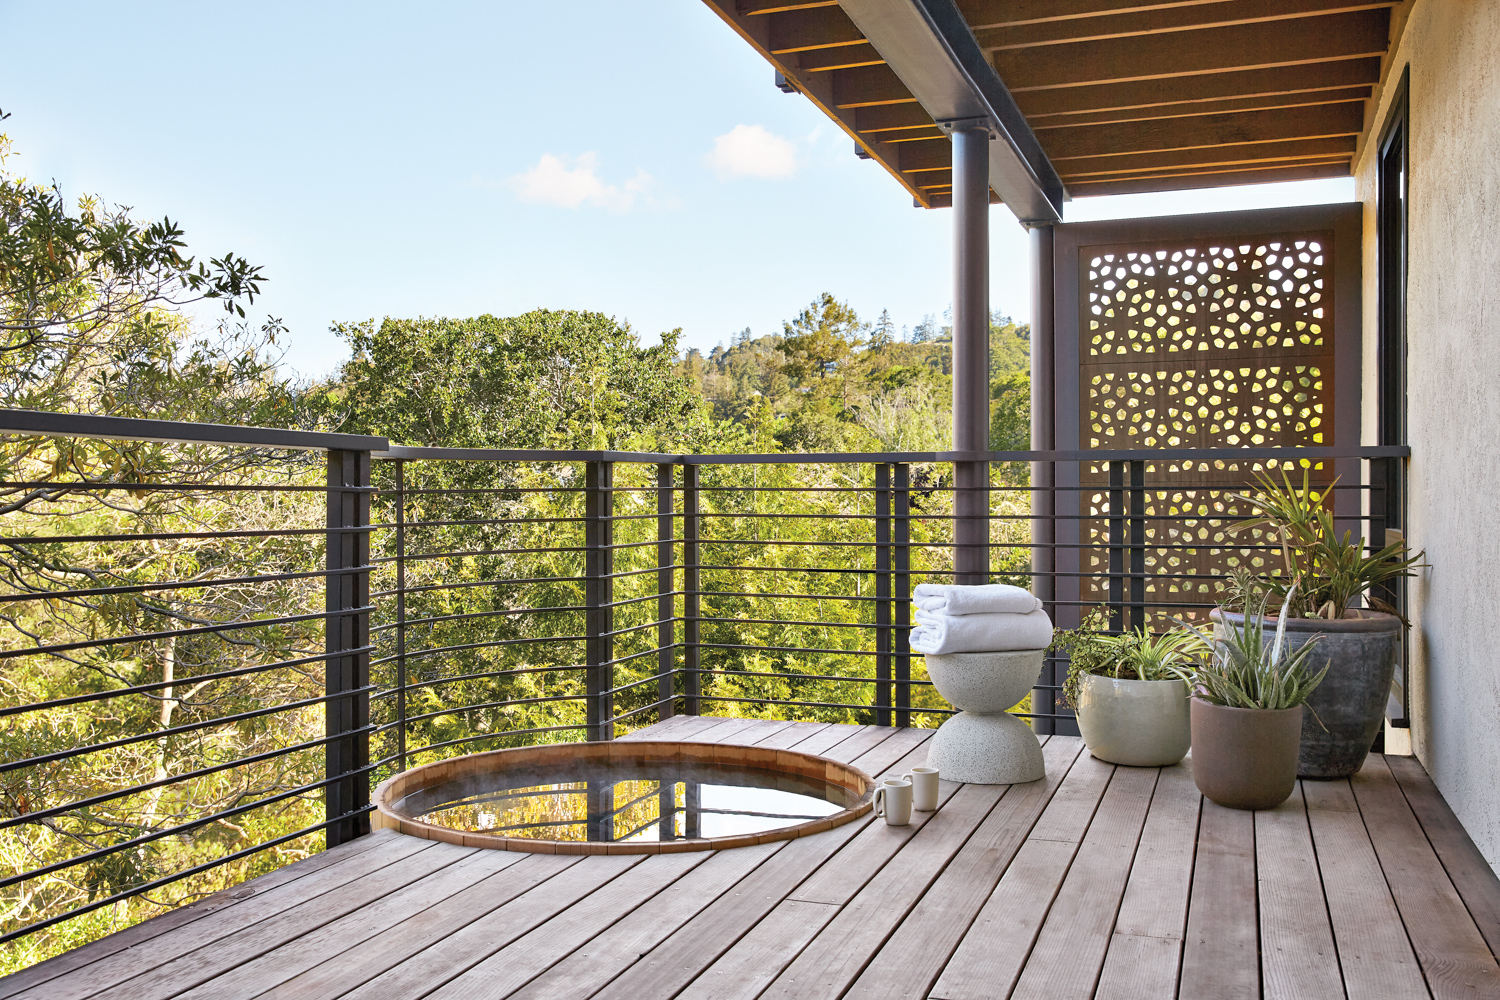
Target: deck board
1374, 951
1448, 944
1297, 954
1145, 951
251, 979
339, 974
238, 896
1069, 952
1096, 882
599, 937
917, 951
1472, 876
1220, 955
992, 954
838, 954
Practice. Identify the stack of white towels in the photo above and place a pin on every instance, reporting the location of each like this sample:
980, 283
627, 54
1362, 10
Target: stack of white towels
991, 618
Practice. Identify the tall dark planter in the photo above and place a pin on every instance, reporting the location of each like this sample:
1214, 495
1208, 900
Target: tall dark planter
1350, 703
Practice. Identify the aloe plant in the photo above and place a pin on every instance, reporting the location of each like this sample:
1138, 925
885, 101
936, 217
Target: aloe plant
1241, 671
1334, 570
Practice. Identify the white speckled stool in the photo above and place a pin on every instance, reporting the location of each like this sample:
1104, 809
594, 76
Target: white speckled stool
983, 744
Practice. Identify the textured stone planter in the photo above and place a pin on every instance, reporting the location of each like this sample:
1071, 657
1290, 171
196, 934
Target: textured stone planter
1346, 710
1245, 758
983, 744
1138, 723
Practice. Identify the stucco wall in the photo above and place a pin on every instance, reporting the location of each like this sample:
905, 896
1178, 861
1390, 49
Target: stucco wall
1453, 370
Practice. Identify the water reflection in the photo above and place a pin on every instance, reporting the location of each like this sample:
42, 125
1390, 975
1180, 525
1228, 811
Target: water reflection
667, 800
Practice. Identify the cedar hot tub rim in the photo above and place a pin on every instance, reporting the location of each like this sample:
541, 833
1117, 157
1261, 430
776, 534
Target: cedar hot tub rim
384, 815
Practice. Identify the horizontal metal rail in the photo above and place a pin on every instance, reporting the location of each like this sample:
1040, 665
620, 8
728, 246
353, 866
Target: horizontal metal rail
611, 540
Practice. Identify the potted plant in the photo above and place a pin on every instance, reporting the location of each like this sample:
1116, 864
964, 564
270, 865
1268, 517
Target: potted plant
1247, 711
1334, 574
1130, 691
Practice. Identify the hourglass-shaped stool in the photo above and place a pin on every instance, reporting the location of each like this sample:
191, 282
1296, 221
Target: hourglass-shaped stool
983, 744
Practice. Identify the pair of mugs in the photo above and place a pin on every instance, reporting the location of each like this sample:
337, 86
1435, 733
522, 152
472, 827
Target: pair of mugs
895, 798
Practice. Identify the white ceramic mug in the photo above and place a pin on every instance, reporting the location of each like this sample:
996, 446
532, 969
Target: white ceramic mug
924, 788
893, 801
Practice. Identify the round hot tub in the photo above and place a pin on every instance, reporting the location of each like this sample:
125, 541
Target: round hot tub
623, 798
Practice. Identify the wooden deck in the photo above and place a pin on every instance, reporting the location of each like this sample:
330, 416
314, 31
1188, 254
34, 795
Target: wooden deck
1096, 882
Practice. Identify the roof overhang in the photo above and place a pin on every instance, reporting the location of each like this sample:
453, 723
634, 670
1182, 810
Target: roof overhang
1087, 97
930, 48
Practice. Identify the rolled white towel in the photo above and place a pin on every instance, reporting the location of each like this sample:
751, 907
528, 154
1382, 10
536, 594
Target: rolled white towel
980, 633
993, 598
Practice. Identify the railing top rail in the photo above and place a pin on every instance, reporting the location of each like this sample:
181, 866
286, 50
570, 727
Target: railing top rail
1146, 454
85, 425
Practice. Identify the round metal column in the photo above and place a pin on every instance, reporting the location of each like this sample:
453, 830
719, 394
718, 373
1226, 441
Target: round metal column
971, 352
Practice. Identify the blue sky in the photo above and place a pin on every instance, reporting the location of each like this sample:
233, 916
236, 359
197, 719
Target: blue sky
460, 158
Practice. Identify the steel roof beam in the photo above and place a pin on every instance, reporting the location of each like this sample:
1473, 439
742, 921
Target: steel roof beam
930, 48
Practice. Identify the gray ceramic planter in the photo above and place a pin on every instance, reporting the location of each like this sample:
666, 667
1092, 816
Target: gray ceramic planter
1346, 710
1245, 758
1139, 723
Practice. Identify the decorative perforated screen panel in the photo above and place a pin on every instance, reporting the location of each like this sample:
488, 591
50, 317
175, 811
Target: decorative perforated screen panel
1196, 345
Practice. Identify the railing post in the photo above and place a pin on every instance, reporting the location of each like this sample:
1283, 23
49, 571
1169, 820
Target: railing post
346, 636
1117, 532
400, 614
883, 699
691, 686
599, 597
1137, 544
901, 589
666, 601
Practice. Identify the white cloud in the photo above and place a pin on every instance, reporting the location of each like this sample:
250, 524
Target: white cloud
571, 182
752, 151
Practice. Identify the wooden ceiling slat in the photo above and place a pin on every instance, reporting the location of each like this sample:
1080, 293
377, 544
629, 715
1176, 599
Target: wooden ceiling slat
1187, 53
822, 27
1210, 86
1170, 161
842, 57
868, 86
927, 180
934, 155
1162, 20
1209, 130
1211, 178
915, 135
888, 117
1187, 109
1002, 13
1211, 170
777, 6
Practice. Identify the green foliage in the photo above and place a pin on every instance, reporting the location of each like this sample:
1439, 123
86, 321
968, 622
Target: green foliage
90, 321
1243, 672
546, 379
821, 386
1333, 571
823, 336
1135, 655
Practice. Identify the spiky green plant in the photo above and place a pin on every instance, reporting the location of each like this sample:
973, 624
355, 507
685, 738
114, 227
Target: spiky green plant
1243, 672
1334, 570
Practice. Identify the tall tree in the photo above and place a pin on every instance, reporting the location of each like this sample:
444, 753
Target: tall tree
822, 336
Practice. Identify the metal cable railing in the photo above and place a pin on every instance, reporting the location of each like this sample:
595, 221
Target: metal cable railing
211, 672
